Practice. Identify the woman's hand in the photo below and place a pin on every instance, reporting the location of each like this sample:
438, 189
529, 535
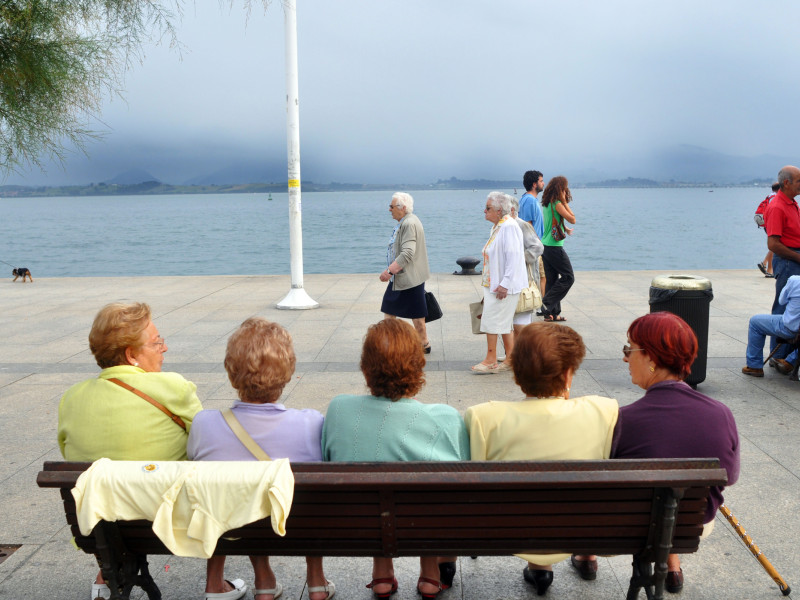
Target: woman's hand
501, 292
568, 230
565, 212
385, 275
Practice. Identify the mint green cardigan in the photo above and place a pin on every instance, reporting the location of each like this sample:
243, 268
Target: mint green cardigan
370, 428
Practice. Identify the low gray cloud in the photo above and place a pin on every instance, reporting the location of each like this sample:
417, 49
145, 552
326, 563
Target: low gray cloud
418, 90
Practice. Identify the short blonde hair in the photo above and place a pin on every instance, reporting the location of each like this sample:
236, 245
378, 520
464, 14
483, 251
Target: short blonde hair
117, 327
260, 360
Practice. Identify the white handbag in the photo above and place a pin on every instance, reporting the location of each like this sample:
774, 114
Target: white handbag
530, 298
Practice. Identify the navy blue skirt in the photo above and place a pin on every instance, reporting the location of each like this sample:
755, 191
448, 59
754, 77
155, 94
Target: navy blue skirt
408, 304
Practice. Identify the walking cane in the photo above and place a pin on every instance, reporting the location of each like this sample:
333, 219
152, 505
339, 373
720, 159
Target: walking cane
756, 551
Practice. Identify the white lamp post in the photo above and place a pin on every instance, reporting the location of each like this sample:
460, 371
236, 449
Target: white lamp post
297, 298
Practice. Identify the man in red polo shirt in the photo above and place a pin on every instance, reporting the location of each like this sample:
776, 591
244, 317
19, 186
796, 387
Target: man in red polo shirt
782, 219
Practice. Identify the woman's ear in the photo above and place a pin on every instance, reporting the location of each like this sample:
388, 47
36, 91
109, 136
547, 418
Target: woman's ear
130, 357
568, 381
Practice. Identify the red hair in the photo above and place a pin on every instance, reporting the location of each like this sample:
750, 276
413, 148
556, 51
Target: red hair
392, 360
542, 355
668, 341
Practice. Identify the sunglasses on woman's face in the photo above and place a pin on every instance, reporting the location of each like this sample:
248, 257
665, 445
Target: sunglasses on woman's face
626, 350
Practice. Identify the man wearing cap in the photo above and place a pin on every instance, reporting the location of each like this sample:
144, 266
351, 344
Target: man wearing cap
782, 220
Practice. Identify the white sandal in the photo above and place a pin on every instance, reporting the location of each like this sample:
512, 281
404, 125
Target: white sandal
276, 592
328, 588
482, 369
100, 590
239, 590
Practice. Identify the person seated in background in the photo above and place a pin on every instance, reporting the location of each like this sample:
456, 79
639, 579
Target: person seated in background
260, 362
130, 410
390, 425
784, 326
547, 424
672, 420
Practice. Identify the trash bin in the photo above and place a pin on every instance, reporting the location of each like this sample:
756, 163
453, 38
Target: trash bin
688, 297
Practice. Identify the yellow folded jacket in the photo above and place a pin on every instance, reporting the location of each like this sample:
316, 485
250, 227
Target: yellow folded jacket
191, 504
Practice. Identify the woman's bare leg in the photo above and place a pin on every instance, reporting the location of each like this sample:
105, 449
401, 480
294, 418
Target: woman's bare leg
265, 577
428, 567
422, 332
491, 349
315, 576
383, 568
215, 576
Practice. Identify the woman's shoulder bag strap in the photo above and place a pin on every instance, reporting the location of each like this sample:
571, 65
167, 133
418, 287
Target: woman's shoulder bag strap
173, 417
244, 437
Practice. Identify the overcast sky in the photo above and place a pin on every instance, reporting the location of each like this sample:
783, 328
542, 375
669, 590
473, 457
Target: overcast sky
416, 90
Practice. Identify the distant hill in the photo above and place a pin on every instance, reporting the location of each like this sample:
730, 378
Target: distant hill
242, 173
131, 177
694, 164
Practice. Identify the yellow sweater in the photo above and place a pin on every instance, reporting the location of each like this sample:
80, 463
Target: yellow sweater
191, 504
99, 419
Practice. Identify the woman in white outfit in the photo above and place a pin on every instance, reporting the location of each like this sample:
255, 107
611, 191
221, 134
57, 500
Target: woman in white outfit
504, 277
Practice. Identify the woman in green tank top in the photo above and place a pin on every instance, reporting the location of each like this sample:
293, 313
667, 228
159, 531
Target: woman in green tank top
557, 267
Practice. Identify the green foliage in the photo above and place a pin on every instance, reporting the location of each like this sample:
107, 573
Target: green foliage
58, 60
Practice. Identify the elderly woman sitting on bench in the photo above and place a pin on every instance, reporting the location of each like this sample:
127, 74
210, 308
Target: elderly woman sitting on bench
130, 410
260, 362
390, 425
547, 424
672, 420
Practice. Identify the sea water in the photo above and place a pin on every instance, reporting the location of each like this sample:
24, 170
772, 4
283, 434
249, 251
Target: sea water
669, 229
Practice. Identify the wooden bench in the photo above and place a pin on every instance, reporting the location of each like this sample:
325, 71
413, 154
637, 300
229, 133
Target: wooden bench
646, 508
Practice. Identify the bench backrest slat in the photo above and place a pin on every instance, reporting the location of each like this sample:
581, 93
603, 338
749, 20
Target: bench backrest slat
471, 508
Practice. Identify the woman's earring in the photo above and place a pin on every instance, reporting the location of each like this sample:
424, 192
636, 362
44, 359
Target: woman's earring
136, 364
652, 369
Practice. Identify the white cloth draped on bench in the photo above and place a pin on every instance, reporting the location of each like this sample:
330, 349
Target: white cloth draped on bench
191, 504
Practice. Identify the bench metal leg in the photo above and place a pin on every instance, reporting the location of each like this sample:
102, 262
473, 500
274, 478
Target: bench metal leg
122, 569
642, 578
646, 575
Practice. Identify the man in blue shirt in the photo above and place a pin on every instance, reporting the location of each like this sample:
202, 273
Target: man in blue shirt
785, 325
529, 208
531, 211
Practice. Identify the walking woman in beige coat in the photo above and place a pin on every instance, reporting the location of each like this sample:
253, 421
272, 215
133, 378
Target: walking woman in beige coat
407, 270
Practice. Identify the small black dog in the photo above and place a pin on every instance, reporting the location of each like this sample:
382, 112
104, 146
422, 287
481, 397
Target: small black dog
22, 272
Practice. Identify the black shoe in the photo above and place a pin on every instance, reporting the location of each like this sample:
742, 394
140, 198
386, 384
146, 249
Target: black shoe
538, 578
763, 268
447, 572
587, 569
674, 582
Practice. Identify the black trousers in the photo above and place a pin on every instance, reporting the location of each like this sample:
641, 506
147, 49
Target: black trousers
558, 271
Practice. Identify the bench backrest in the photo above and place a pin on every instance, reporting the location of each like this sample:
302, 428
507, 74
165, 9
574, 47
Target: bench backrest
461, 508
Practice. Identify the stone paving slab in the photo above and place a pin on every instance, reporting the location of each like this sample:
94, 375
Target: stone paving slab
44, 350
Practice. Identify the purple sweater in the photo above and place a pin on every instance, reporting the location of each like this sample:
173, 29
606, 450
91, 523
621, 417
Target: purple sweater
281, 432
674, 421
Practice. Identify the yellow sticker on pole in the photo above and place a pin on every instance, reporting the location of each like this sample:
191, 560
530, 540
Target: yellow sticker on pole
294, 183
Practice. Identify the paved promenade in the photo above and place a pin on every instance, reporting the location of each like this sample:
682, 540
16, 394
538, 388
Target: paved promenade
44, 349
